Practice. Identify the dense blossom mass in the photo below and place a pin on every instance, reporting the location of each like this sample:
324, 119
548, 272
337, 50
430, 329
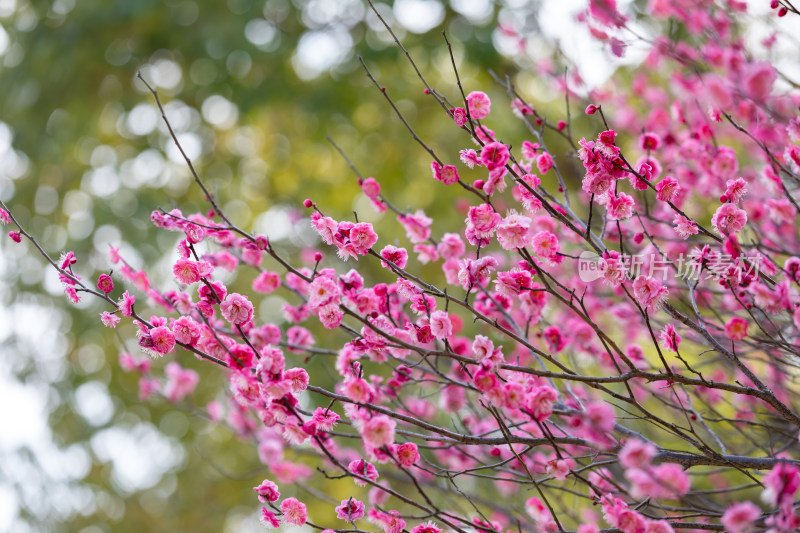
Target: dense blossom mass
612, 343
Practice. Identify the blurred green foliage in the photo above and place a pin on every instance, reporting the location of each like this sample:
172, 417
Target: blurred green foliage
90, 160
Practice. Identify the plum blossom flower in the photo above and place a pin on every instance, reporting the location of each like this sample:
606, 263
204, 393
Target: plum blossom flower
393, 254
267, 491
379, 431
649, 292
428, 527
729, 219
441, 326
636, 454
544, 162
105, 283
736, 329
350, 509
619, 207
494, 155
684, 227
294, 511
735, 189
512, 232
269, 519
417, 226
109, 320
667, 189
236, 309
459, 116
407, 454
670, 338
545, 244
363, 469
479, 105
163, 340
266, 282
180, 382
126, 304
539, 402
740, 517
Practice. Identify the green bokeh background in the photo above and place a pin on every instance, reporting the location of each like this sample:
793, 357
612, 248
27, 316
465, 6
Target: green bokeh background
67, 87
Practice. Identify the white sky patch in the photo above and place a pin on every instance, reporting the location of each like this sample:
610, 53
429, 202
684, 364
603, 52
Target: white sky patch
220, 112
93, 403
318, 51
419, 16
139, 455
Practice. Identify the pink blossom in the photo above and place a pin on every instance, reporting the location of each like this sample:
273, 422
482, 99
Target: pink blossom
441, 327
294, 511
484, 219
5, 218
266, 282
426, 253
427, 527
325, 419
539, 402
326, 227
330, 316
736, 329
323, 291
781, 484
459, 116
637, 454
371, 187
126, 304
735, 189
267, 491
606, 13
469, 158
105, 283
417, 226
363, 237
163, 339
72, 294
740, 517
379, 431
186, 330
449, 175
236, 309
15, 236
494, 155
186, 271
667, 189
109, 320
512, 232
67, 260
670, 338
180, 382
558, 468
649, 292
729, 219
684, 227
350, 510
393, 254
407, 454
545, 244
363, 469
268, 519
479, 105
619, 207
758, 80
544, 163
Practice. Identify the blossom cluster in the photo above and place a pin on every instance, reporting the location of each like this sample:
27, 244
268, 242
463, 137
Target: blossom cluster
511, 393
